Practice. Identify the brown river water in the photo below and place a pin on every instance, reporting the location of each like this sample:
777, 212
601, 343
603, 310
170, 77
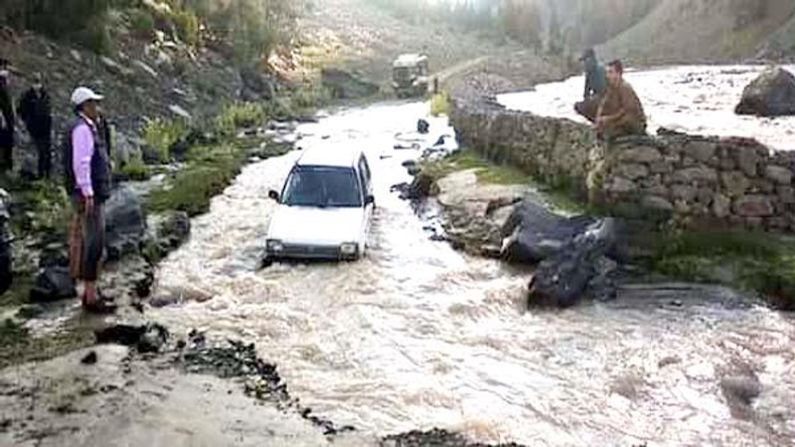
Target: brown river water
417, 335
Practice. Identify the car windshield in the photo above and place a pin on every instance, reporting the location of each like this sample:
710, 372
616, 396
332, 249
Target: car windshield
403, 73
322, 187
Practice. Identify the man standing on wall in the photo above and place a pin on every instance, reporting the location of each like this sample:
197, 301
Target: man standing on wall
34, 109
621, 112
595, 86
88, 175
7, 120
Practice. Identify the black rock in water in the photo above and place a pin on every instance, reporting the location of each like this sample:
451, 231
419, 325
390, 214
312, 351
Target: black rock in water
771, 94
423, 126
90, 358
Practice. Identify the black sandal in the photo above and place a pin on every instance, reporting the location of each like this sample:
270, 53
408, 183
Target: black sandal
101, 306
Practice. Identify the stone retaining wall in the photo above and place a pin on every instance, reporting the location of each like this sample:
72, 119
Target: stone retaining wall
696, 181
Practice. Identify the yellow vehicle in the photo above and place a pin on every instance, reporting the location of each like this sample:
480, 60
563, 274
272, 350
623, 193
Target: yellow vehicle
410, 75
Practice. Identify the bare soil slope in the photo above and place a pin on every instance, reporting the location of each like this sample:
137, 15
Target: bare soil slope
702, 31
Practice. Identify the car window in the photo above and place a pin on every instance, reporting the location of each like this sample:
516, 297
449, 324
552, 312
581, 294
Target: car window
322, 187
364, 174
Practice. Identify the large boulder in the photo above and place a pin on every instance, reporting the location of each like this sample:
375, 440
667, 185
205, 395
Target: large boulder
124, 222
53, 284
562, 280
771, 94
345, 85
533, 233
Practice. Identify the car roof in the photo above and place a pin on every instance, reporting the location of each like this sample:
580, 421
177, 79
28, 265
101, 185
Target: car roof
330, 156
409, 60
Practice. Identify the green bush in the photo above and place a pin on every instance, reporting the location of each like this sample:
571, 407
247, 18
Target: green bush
309, 96
440, 104
160, 135
187, 26
209, 172
142, 23
135, 169
240, 115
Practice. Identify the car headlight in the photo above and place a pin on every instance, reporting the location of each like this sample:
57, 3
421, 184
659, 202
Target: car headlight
349, 249
275, 246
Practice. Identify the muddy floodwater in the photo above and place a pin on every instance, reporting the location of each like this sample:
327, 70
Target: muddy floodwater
417, 335
692, 99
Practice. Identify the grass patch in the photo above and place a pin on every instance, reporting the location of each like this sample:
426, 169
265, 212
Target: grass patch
753, 261
497, 174
440, 104
210, 169
240, 115
135, 169
161, 134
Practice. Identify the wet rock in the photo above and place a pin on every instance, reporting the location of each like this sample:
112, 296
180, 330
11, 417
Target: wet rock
125, 224
346, 85
533, 233
145, 338
90, 358
740, 388
53, 284
771, 94
562, 280
30, 311
423, 126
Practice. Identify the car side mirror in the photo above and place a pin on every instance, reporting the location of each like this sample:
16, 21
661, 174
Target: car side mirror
369, 200
274, 195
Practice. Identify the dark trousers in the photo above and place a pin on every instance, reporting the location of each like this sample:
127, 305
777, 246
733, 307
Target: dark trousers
43, 147
589, 107
86, 242
6, 150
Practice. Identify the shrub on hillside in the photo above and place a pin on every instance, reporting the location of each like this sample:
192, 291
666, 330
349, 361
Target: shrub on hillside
160, 135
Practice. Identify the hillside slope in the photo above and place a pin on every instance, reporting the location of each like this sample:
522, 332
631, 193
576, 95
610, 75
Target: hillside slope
358, 36
701, 31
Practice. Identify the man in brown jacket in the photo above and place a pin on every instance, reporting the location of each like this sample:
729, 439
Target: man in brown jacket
621, 112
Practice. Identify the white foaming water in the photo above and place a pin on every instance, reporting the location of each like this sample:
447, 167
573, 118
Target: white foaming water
692, 99
418, 336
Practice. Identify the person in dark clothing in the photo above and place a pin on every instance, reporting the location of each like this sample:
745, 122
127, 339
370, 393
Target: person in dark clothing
35, 111
7, 120
595, 86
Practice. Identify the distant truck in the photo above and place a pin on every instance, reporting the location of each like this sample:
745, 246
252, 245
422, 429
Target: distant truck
410, 75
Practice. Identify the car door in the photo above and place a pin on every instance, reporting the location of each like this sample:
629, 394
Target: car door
365, 178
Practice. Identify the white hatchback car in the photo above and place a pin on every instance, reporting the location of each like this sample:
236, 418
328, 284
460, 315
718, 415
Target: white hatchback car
325, 208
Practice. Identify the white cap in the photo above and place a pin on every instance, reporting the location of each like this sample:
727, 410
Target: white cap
83, 94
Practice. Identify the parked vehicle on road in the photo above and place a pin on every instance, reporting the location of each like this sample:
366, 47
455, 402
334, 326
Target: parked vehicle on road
410, 75
324, 209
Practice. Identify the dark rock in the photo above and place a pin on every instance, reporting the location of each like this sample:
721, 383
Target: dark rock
345, 85
256, 84
90, 358
771, 94
423, 126
175, 228
30, 311
53, 284
145, 338
125, 224
562, 280
533, 233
